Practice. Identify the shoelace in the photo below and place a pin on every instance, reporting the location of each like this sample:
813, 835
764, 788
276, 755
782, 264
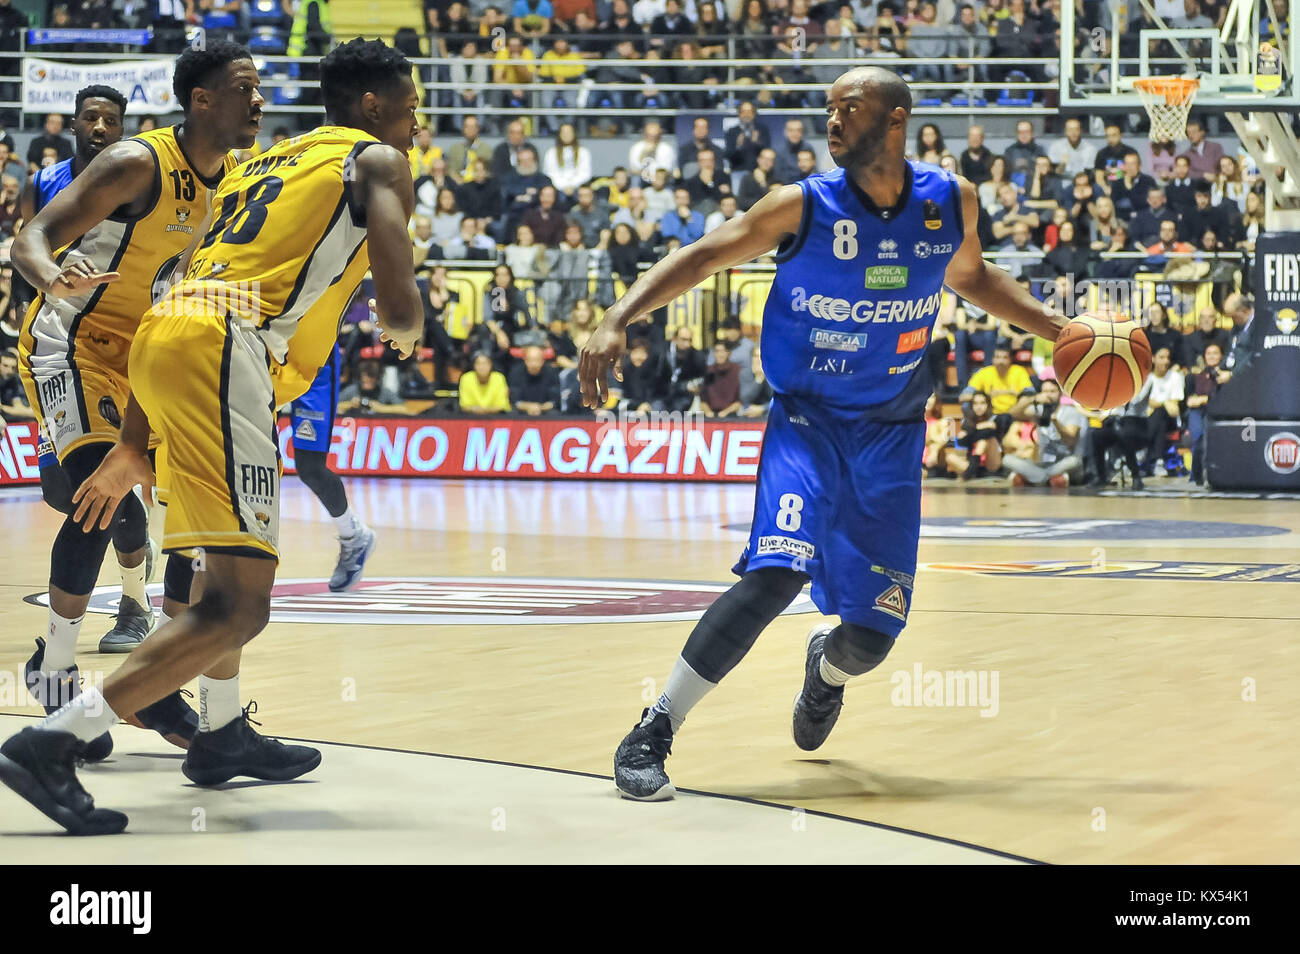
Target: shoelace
248, 717
653, 748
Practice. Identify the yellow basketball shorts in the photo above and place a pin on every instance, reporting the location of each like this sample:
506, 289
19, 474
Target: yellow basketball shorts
204, 381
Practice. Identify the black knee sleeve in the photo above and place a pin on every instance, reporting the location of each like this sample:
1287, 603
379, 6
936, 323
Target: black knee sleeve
324, 483
856, 649
730, 626
77, 555
178, 578
131, 527
56, 488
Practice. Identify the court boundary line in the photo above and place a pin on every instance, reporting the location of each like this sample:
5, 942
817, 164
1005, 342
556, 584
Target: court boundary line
687, 791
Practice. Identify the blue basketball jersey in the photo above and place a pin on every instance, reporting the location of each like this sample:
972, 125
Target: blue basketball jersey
857, 291
52, 180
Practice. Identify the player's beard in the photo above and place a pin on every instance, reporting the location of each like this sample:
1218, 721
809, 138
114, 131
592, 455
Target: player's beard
867, 149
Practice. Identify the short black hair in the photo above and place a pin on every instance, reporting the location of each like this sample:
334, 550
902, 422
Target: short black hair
194, 68
358, 67
99, 92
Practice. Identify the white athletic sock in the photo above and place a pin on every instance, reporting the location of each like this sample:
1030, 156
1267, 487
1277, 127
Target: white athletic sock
218, 702
349, 525
163, 620
133, 582
685, 688
87, 716
61, 643
832, 676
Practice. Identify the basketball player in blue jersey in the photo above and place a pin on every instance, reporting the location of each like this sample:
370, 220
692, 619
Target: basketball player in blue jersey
313, 424
98, 122
863, 254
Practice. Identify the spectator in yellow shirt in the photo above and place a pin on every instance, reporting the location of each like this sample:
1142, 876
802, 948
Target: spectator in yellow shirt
1010, 390
423, 153
513, 82
561, 67
484, 391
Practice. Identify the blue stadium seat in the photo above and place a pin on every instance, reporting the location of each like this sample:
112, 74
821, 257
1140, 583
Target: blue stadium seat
1018, 97
932, 101
219, 21
265, 13
968, 101
267, 41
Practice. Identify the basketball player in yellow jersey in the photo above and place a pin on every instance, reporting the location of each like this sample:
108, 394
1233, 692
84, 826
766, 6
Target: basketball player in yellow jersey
93, 254
286, 226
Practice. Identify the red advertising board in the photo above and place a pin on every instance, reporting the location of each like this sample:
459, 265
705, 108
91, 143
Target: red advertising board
616, 449
18, 454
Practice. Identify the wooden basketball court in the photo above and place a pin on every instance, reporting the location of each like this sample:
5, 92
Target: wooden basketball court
1084, 679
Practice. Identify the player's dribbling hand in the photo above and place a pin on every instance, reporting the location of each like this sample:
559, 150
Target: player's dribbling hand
96, 500
77, 278
603, 350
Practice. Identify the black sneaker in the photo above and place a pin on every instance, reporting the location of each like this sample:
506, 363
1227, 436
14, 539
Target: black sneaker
818, 705
235, 749
639, 762
171, 717
55, 691
133, 624
41, 766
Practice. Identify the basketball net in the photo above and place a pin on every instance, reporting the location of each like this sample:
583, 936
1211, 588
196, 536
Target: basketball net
1167, 100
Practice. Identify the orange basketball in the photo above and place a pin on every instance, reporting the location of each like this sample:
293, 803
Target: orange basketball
1101, 363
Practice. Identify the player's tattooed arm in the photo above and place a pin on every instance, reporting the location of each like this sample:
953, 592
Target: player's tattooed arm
384, 190
122, 176
773, 218
988, 286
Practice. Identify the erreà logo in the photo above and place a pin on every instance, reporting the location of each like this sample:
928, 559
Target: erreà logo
1282, 453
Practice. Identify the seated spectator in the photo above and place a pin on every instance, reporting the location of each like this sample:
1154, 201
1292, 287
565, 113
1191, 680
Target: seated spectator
1165, 393
447, 217
1067, 257
1146, 222
660, 197
525, 257
1073, 154
13, 399
1207, 333
592, 216
505, 157
422, 245
806, 164
990, 190
505, 304
428, 187
470, 244
1129, 191
686, 368
1102, 220
1169, 244
645, 384
422, 153
1020, 155
672, 22
561, 74
369, 395
11, 206
1162, 161
1019, 265
720, 392
51, 139
1202, 154
976, 161
1118, 267
1012, 211
1159, 334
512, 84
1205, 385
786, 152
469, 73
462, 155
568, 162
756, 393
484, 390
624, 253
1181, 189
480, 195
707, 187
442, 305
561, 343
582, 322
687, 153
568, 279
759, 181
1204, 215
534, 384
1008, 386
1252, 223
980, 435
652, 153
711, 29
546, 219
727, 210
532, 17
1043, 188
1109, 164
941, 457
638, 215
745, 141
1059, 429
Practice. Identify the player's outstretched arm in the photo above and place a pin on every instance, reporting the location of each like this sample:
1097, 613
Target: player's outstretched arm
741, 240
988, 286
387, 196
121, 175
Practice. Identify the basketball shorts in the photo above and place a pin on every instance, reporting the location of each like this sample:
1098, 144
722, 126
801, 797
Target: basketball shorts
204, 381
79, 393
312, 415
840, 500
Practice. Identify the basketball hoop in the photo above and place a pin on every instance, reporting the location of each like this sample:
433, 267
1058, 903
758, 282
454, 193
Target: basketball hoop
1168, 100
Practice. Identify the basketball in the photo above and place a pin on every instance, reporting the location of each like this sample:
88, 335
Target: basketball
1101, 363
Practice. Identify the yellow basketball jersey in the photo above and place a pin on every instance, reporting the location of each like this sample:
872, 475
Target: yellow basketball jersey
142, 248
287, 247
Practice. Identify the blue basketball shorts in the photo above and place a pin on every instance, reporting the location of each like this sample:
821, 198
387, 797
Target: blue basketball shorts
840, 500
312, 415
